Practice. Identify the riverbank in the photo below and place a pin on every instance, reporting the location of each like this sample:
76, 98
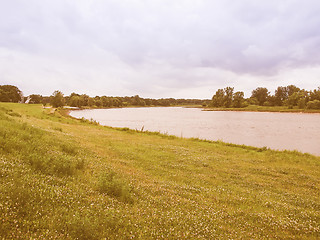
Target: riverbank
77, 179
256, 108
250, 108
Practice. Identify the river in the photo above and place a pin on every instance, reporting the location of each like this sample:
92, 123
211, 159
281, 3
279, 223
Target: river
279, 131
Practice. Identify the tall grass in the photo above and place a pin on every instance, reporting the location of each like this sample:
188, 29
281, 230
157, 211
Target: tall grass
62, 178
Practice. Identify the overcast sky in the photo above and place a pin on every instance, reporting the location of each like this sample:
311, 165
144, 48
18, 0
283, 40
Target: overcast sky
158, 48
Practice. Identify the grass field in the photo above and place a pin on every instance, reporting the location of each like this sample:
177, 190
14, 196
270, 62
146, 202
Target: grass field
62, 178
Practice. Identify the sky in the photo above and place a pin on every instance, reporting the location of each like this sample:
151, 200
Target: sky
158, 48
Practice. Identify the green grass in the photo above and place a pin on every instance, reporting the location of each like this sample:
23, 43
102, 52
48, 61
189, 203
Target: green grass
65, 179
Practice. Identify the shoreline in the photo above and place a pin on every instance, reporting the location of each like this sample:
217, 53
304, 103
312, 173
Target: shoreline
209, 109
275, 110
172, 136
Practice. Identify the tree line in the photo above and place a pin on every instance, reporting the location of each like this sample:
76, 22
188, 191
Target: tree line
57, 99
290, 96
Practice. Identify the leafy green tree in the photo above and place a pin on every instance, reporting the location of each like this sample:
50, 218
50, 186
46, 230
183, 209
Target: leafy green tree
261, 94
97, 101
35, 99
137, 101
218, 98
228, 96
281, 95
57, 99
315, 94
238, 99
84, 100
291, 89
74, 101
91, 102
301, 103
105, 101
315, 104
297, 98
9, 93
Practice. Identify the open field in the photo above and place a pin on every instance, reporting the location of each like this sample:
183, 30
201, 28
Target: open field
62, 178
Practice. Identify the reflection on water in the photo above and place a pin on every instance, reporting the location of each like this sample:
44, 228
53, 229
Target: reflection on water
292, 131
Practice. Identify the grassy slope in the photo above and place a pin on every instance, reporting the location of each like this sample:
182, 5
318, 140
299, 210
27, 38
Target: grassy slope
62, 178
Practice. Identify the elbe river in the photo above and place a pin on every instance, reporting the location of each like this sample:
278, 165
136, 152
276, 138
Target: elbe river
279, 131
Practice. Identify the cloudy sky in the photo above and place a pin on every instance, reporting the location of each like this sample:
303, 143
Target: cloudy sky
158, 48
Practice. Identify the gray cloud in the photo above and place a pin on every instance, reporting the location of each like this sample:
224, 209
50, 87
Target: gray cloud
157, 48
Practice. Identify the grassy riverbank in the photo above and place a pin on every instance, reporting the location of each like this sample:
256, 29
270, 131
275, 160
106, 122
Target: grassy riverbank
256, 108
64, 178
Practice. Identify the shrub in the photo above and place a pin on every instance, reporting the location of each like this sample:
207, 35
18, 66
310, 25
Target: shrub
115, 187
302, 103
315, 104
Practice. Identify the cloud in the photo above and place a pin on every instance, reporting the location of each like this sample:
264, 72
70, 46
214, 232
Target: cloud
157, 48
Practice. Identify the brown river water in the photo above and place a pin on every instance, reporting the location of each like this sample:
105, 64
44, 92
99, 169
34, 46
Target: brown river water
279, 131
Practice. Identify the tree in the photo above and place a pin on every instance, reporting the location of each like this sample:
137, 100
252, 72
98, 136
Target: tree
315, 104
74, 101
57, 99
137, 101
238, 99
281, 95
9, 93
84, 100
218, 98
261, 94
35, 98
297, 99
315, 94
228, 96
291, 89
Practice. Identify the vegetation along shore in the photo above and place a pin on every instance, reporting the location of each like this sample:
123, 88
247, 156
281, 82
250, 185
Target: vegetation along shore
63, 178
285, 99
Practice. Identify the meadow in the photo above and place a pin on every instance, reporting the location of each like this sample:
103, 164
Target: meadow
63, 178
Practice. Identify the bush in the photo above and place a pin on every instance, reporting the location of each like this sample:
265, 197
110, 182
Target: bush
315, 104
115, 187
302, 103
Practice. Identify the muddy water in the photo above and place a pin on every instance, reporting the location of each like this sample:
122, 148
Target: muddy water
291, 131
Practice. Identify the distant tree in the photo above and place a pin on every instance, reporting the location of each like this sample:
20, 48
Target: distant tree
105, 101
252, 101
261, 94
84, 100
74, 101
9, 93
291, 89
238, 99
301, 103
281, 94
271, 101
57, 99
148, 101
218, 98
315, 104
91, 102
228, 96
35, 99
315, 94
45, 100
297, 99
97, 101
137, 101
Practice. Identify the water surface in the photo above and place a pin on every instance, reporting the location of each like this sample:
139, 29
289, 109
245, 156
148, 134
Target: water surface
291, 131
